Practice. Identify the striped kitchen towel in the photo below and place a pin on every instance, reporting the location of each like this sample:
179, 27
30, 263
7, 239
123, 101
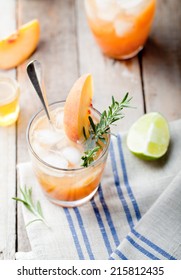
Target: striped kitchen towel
136, 213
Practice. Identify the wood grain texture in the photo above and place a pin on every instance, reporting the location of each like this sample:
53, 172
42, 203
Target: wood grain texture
7, 153
110, 77
162, 61
57, 52
8, 188
67, 49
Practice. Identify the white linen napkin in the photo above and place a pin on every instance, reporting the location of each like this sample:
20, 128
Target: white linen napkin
134, 215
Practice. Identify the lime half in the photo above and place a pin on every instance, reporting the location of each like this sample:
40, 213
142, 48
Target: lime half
149, 136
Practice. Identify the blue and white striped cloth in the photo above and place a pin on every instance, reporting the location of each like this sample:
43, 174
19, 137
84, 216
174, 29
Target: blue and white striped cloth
135, 215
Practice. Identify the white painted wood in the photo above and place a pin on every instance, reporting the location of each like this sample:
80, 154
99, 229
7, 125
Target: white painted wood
7, 153
67, 49
162, 61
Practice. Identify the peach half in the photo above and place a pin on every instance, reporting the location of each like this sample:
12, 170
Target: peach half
16, 48
77, 108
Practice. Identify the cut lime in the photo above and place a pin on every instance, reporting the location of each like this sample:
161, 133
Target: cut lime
149, 136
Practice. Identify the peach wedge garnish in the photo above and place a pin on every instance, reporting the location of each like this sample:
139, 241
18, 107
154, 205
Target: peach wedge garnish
16, 48
77, 108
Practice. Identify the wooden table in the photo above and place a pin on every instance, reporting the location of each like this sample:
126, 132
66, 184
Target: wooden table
67, 50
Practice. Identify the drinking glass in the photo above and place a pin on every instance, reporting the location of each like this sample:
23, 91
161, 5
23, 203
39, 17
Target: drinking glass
9, 101
120, 27
67, 187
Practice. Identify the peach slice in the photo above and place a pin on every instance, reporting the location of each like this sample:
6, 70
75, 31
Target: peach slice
20, 45
77, 108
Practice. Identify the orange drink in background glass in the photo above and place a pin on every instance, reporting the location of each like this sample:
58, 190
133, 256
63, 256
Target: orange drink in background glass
57, 160
9, 101
120, 27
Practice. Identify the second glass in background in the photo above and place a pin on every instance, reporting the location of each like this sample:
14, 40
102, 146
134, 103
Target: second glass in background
120, 27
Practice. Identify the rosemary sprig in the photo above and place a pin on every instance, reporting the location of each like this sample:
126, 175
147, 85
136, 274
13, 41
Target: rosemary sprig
89, 155
99, 130
35, 209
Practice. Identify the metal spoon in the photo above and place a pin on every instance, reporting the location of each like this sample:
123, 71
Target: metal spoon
34, 71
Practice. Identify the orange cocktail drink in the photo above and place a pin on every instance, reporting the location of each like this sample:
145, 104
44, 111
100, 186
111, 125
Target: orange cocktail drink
120, 27
57, 160
70, 151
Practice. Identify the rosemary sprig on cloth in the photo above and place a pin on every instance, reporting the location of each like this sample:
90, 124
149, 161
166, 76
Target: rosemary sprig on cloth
35, 209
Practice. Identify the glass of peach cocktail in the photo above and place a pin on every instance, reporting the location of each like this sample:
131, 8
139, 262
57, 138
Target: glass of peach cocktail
120, 27
69, 158
56, 152
57, 160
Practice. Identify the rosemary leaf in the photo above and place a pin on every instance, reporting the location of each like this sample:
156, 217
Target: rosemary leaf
92, 124
27, 201
84, 133
89, 156
100, 129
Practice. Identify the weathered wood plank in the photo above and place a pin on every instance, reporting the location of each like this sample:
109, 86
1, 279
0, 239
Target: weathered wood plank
7, 153
110, 77
61, 53
58, 54
8, 187
162, 61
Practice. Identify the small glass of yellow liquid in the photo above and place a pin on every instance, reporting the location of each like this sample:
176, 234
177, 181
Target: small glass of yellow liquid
9, 101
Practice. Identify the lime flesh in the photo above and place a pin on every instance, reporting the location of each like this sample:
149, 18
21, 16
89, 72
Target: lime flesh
149, 136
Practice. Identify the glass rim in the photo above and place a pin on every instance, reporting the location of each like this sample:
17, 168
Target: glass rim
54, 167
128, 6
15, 88
132, 5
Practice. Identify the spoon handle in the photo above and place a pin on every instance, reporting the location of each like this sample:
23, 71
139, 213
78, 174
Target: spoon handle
35, 74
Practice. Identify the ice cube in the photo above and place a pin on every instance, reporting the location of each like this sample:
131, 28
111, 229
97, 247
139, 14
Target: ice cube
72, 154
127, 4
64, 142
107, 9
47, 137
123, 26
39, 149
56, 161
90, 10
132, 7
59, 120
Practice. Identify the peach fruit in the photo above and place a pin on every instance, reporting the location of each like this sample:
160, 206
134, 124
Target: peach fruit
77, 108
20, 45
